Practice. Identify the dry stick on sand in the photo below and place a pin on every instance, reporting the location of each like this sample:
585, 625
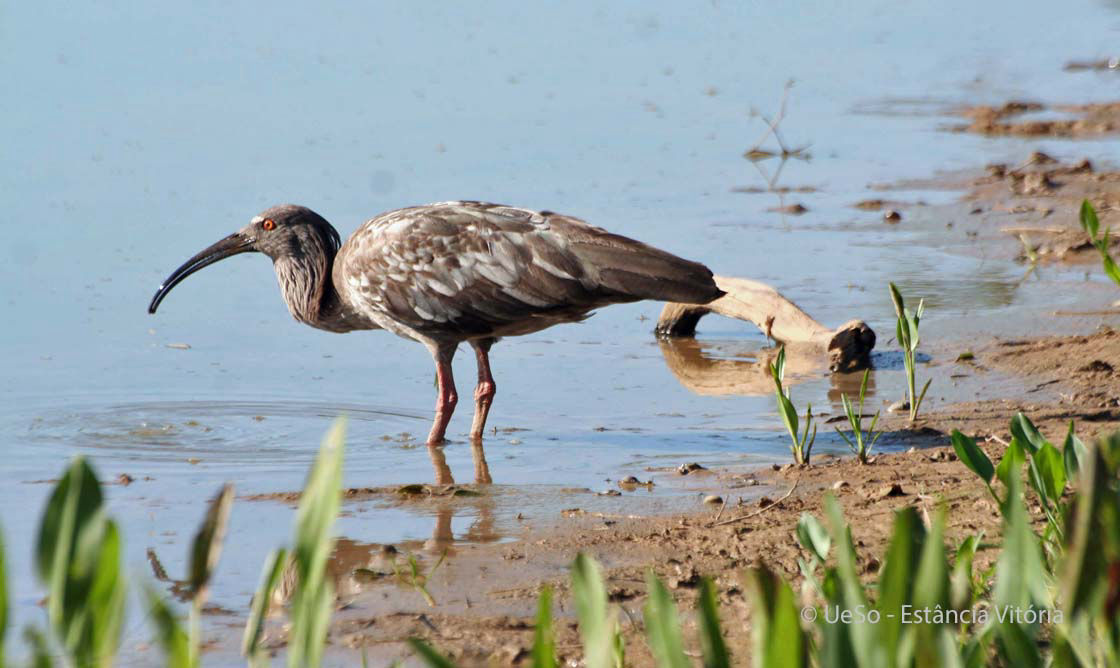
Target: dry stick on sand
849, 346
758, 512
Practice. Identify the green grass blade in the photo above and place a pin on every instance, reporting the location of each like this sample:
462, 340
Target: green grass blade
106, 600
1052, 470
273, 570
428, 656
169, 632
206, 548
596, 628
663, 627
712, 647
779, 641
544, 640
960, 582
1089, 221
972, 456
896, 579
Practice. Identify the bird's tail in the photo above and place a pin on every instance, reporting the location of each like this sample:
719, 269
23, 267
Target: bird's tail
634, 270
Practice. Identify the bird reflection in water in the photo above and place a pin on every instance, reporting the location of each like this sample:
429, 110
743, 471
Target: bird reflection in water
720, 368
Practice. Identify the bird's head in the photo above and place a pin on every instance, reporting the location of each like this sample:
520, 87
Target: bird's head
285, 231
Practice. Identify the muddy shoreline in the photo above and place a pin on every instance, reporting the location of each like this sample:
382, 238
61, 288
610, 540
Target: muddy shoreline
486, 594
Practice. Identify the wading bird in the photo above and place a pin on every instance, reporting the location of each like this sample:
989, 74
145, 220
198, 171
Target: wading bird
446, 273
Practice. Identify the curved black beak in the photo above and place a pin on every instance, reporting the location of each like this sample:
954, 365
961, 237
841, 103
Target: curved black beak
231, 245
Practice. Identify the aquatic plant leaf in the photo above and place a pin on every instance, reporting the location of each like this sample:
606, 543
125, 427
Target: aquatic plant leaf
544, 640
78, 558
931, 591
899, 303
107, 595
850, 594
206, 548
313, 599
778, 638
271, 573
1029, 436
1110, 268
1052, 470
960, 581
972, 456
1094, 535
896, 578
428, 656
1073, 453
663, 627
169, 632
1089, 221
814, 537
712, 648
596, 627
1012, 462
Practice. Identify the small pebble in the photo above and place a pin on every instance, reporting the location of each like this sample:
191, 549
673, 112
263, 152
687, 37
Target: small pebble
892, 216
179, 346
610, 492
839, 484
713, 499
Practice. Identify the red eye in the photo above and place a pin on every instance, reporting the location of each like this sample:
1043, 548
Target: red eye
269, 224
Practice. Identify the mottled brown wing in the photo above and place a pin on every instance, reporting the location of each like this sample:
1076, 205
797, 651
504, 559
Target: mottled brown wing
469, 268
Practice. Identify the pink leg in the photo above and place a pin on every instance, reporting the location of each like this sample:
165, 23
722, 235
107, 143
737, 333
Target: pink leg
486, 389
445, 402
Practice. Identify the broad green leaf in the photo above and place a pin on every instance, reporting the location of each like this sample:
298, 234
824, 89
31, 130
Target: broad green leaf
1051, 470
428, 656
663, 627
1012, 463
274, 566
596, 628
1028, 435
813, 536
972, 456
779, 641
1089, 221
544, 641
1073, 453
712, 647
107, 595
789, 415
169, 632
206, 548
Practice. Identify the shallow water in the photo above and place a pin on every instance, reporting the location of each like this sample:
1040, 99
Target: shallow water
135, 136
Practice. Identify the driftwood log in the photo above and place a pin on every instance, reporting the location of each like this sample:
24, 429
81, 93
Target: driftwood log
848, 346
